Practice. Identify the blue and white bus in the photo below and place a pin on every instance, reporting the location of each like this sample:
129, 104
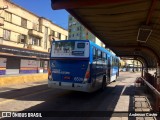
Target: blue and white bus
81, 65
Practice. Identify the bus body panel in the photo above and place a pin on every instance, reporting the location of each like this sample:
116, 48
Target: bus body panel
70, 67
69, 70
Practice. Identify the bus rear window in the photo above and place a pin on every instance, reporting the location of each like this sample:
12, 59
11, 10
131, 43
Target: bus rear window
70, 49
81, 45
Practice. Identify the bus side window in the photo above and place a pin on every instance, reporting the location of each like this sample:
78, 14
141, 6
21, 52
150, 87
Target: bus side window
99, 57
113, 61
94, 54
117, 62
99, 54
104, 58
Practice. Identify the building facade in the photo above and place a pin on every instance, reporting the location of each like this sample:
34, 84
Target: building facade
25, 40
76, 31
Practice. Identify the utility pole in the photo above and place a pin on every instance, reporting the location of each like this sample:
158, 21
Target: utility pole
137, 66
133, 65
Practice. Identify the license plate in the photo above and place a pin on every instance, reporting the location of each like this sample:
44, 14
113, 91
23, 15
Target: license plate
67, 77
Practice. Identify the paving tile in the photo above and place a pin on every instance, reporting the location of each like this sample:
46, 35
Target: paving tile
142, 99
145, 105
149, 118
138, 104
140, 118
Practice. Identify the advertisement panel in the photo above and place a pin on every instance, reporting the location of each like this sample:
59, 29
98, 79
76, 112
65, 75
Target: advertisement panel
70, 49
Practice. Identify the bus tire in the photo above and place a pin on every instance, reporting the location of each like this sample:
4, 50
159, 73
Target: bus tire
108, 80
117, 75
103, 83
116, 78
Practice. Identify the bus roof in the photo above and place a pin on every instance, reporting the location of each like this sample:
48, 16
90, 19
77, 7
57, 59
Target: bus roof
99, 47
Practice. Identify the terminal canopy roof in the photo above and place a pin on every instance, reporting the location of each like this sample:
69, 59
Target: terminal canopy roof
131, 28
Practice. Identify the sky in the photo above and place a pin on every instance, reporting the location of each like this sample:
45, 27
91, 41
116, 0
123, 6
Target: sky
43, 8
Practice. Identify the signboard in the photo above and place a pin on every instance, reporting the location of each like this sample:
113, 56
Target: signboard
23, 52
29, 63
70, 49
3, 62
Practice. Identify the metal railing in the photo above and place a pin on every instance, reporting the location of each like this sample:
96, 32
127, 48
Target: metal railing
151, 87
150, 81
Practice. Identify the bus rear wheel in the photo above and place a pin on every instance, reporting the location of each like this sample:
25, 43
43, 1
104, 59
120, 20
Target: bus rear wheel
108, 80
103, 83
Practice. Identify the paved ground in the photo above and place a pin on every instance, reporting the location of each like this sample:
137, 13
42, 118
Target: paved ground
120, 96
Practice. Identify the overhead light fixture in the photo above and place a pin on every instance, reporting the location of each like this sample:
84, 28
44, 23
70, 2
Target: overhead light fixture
143, 33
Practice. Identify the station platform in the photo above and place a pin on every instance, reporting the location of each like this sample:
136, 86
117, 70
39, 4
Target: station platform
7, 80
126, 96
133, 99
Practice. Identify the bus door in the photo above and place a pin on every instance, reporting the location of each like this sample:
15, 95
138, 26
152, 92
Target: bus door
109, 68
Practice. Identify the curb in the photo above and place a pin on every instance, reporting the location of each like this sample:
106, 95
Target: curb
21, 79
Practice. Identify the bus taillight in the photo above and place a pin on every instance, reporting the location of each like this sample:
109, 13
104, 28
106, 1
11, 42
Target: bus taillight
49, 71
87, 74
49, 74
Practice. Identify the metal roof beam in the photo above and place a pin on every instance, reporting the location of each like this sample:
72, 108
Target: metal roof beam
144, 60
150, 13
70, 4
152, 51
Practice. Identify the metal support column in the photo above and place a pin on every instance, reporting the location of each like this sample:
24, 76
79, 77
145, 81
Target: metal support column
157, 105
142, 71
158, 76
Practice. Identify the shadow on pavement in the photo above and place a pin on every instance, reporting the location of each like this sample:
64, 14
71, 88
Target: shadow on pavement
94, 105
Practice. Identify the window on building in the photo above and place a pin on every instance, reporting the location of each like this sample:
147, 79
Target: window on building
70, 24
41, 63
77, 34
70, 30
59, 36
53, 33
8, 16
86, 33
77, 28
6, 34
24, 22
66, 37
22, 38
73, 35
74, 23
36, 41
70, 18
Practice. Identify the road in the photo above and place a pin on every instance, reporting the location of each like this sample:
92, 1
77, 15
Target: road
38, 97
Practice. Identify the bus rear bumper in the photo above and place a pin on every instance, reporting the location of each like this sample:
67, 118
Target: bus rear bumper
71, 86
